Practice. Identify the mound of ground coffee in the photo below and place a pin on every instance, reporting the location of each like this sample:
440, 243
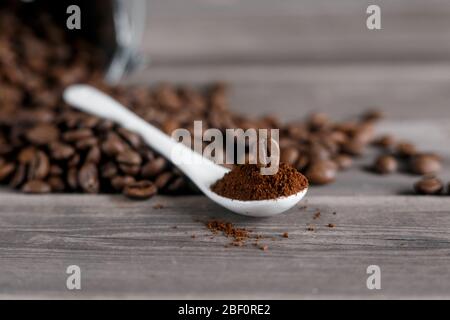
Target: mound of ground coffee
246, 183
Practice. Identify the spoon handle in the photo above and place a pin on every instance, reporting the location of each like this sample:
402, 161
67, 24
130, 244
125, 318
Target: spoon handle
93, 101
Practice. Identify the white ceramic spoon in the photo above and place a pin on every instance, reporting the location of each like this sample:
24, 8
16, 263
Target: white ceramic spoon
200, 170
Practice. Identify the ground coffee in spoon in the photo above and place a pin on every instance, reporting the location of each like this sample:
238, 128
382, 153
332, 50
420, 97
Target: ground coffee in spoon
246, 183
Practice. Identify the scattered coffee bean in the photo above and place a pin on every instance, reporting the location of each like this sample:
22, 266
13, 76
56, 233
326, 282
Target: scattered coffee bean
322, 172
141, 190
386, 141
343, 161
429, 185
406, 149
425, 164
386, 164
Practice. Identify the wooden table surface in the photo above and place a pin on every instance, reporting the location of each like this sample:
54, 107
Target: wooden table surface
289, 58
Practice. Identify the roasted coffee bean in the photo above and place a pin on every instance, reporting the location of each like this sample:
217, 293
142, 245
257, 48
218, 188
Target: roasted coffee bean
364, 133
6, 170
40, 167
43, 134
61, 151
425, 164
56, 170
36, 187
289, 155
120, 182
27, 155
19, 176
74, 161
113, 145
109, 170
88, 178
131, 170
153, 168
353, 147
132, 138
322, 172
163, 179
318, 153
77, 135
129, 157
386, 141
56, 184
318, 121
86, 143
406, 149
373, 115
302, 162
386, 164
177, 185
72, 178
94, 155
141, 190
429, 185
89, 122
343, 161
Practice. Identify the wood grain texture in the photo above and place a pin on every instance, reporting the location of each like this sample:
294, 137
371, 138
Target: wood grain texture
262, 31
127, 249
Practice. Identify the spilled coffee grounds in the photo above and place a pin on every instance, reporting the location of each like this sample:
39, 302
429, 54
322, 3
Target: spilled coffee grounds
246, 183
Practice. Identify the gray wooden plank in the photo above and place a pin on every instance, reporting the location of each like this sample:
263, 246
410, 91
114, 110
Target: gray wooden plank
205, 31
127, 249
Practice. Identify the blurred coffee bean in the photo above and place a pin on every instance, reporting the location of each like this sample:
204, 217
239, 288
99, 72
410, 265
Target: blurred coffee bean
153, 168
130, 169
140, 190
386, 141
94, 155
72, 178
109, 170
6, 169
176, 185
289, 155
425, 164
113, 145
36, 187
39, 167
61, 151
406, 149
27, 155
385, 164
120, 182
88, 178
129, 157
343, 161
43, 134
373, 115
77, 135
85, 144
429, 185
19, 176
133, 139
322, 172
163, 179
56, 184
353, 147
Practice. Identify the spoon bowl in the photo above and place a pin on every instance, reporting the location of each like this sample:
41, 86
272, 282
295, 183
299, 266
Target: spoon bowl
202, 171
